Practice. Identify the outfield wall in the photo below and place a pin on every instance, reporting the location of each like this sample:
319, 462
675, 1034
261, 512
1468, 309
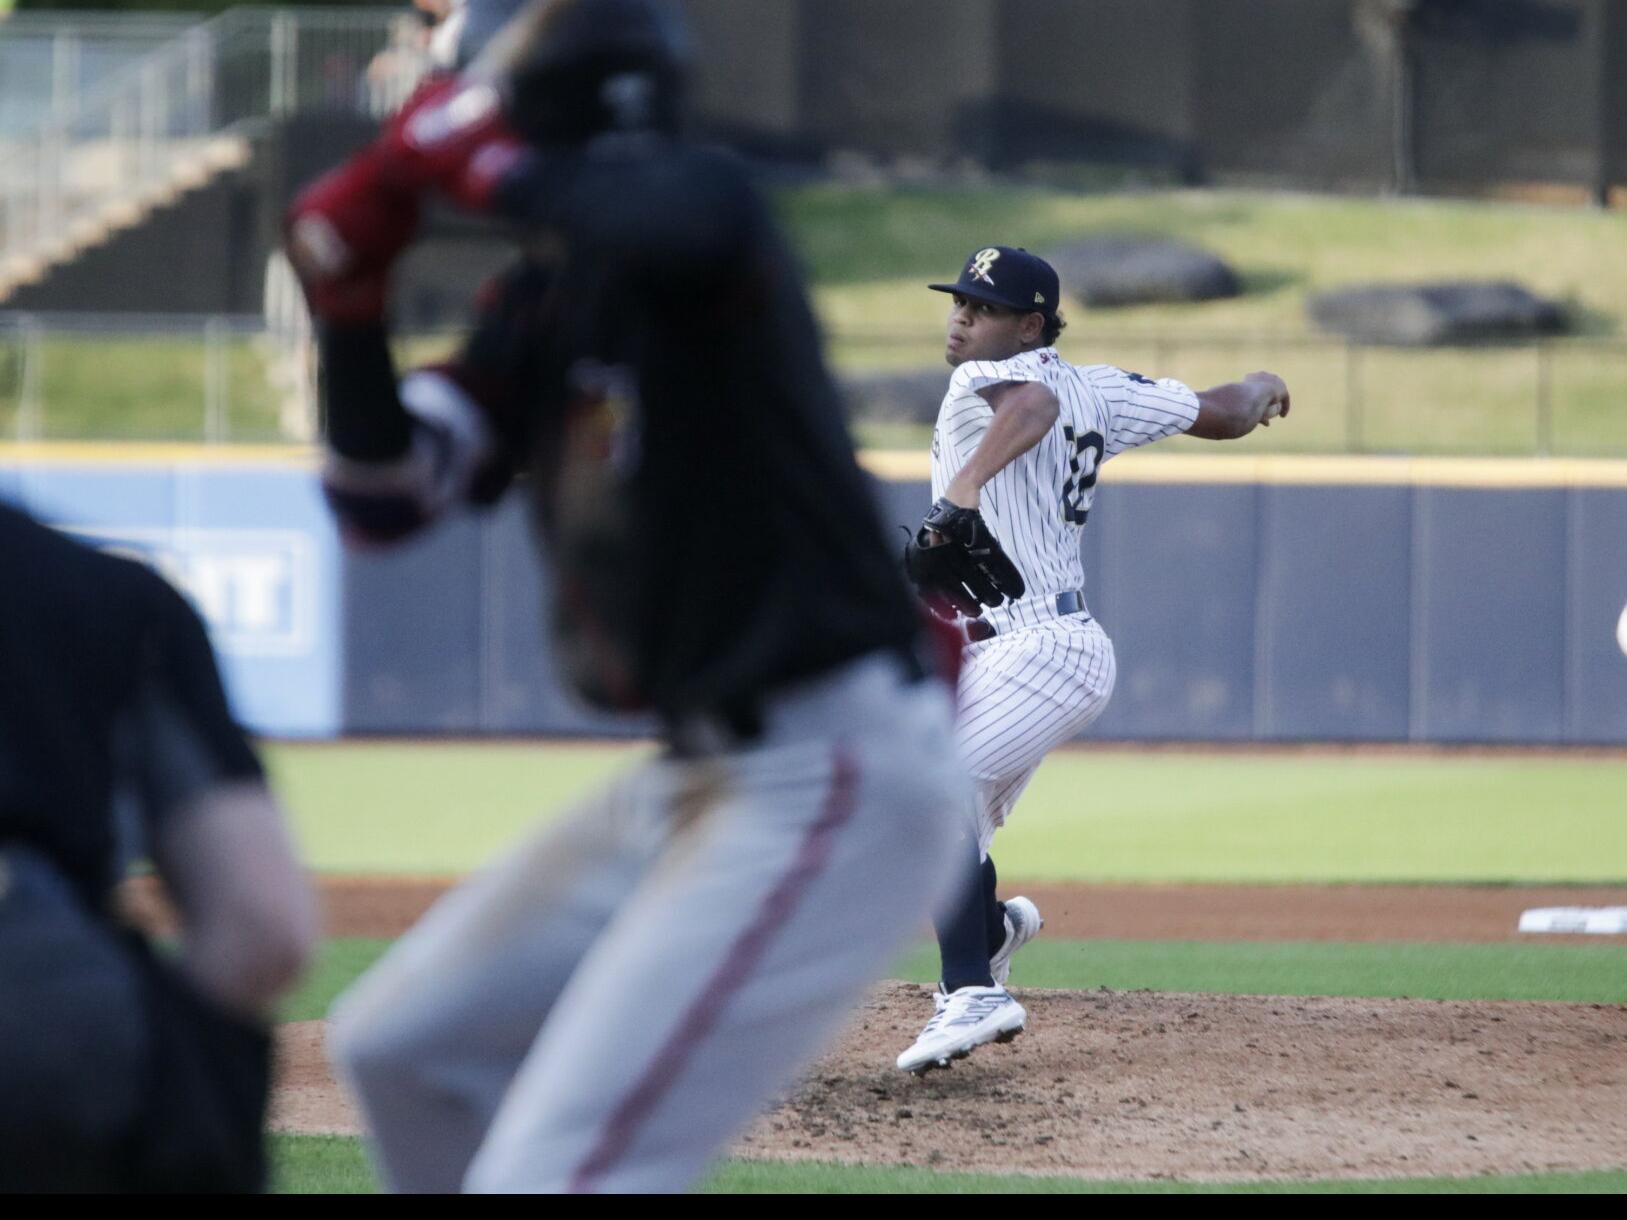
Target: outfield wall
250, 542
1276, 599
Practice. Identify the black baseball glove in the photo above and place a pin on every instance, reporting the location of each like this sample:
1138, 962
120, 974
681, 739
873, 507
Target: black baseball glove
967, 570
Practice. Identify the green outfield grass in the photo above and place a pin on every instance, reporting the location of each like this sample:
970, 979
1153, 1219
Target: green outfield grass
429, 807
1196, 817
1089, 815
327, 1164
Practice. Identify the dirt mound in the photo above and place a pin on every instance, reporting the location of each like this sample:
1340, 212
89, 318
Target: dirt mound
1142, 1084
1200, 1087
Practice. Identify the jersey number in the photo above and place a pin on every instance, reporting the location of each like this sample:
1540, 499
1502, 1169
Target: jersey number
1083, 463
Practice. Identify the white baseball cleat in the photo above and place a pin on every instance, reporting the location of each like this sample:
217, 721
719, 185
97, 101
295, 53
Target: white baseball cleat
964, 1020
1023, 923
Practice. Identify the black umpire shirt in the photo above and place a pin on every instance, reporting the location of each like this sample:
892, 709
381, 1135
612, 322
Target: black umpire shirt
654, 366
108, 688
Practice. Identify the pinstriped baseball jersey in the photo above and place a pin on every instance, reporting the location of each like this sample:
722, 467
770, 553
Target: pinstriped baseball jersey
1042, 679
1038, 504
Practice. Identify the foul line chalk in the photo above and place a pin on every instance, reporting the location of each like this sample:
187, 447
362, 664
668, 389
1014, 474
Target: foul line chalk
1605, 921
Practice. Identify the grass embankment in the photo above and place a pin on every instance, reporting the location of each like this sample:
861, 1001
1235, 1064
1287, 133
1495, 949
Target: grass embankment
870, 252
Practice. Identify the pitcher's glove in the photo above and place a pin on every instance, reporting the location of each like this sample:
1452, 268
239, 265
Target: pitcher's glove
967, 569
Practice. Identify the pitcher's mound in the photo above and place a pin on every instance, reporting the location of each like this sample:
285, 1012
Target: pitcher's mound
1146, 1085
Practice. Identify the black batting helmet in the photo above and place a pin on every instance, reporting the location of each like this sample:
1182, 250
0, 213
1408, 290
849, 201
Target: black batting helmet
569, 70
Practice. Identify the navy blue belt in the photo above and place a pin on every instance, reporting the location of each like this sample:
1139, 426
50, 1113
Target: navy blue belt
1069, 603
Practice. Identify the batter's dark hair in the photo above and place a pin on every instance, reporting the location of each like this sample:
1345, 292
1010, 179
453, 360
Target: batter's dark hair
1054, 327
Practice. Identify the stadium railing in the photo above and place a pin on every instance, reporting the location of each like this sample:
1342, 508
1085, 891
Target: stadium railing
108, 150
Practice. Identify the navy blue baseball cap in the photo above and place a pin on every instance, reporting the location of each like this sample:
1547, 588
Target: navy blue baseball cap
1010, 277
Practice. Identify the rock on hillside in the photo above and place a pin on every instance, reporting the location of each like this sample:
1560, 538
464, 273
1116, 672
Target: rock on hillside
1425, 315
1107, 271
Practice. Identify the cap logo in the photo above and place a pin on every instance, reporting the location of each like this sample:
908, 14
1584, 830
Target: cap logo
981, 262
1039, 298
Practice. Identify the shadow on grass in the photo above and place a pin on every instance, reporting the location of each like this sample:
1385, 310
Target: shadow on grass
1591, 323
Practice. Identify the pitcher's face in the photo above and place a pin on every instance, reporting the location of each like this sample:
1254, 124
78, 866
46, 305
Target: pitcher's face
980, 331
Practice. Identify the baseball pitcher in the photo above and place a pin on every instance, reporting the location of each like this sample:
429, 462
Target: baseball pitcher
1020, 440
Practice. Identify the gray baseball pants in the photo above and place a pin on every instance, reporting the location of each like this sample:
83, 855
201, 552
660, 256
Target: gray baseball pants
604, 1009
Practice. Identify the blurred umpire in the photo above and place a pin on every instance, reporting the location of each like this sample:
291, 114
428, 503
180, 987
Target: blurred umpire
122, 1069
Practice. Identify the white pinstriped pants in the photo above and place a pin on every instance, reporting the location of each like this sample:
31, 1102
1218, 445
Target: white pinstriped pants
1021, 696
